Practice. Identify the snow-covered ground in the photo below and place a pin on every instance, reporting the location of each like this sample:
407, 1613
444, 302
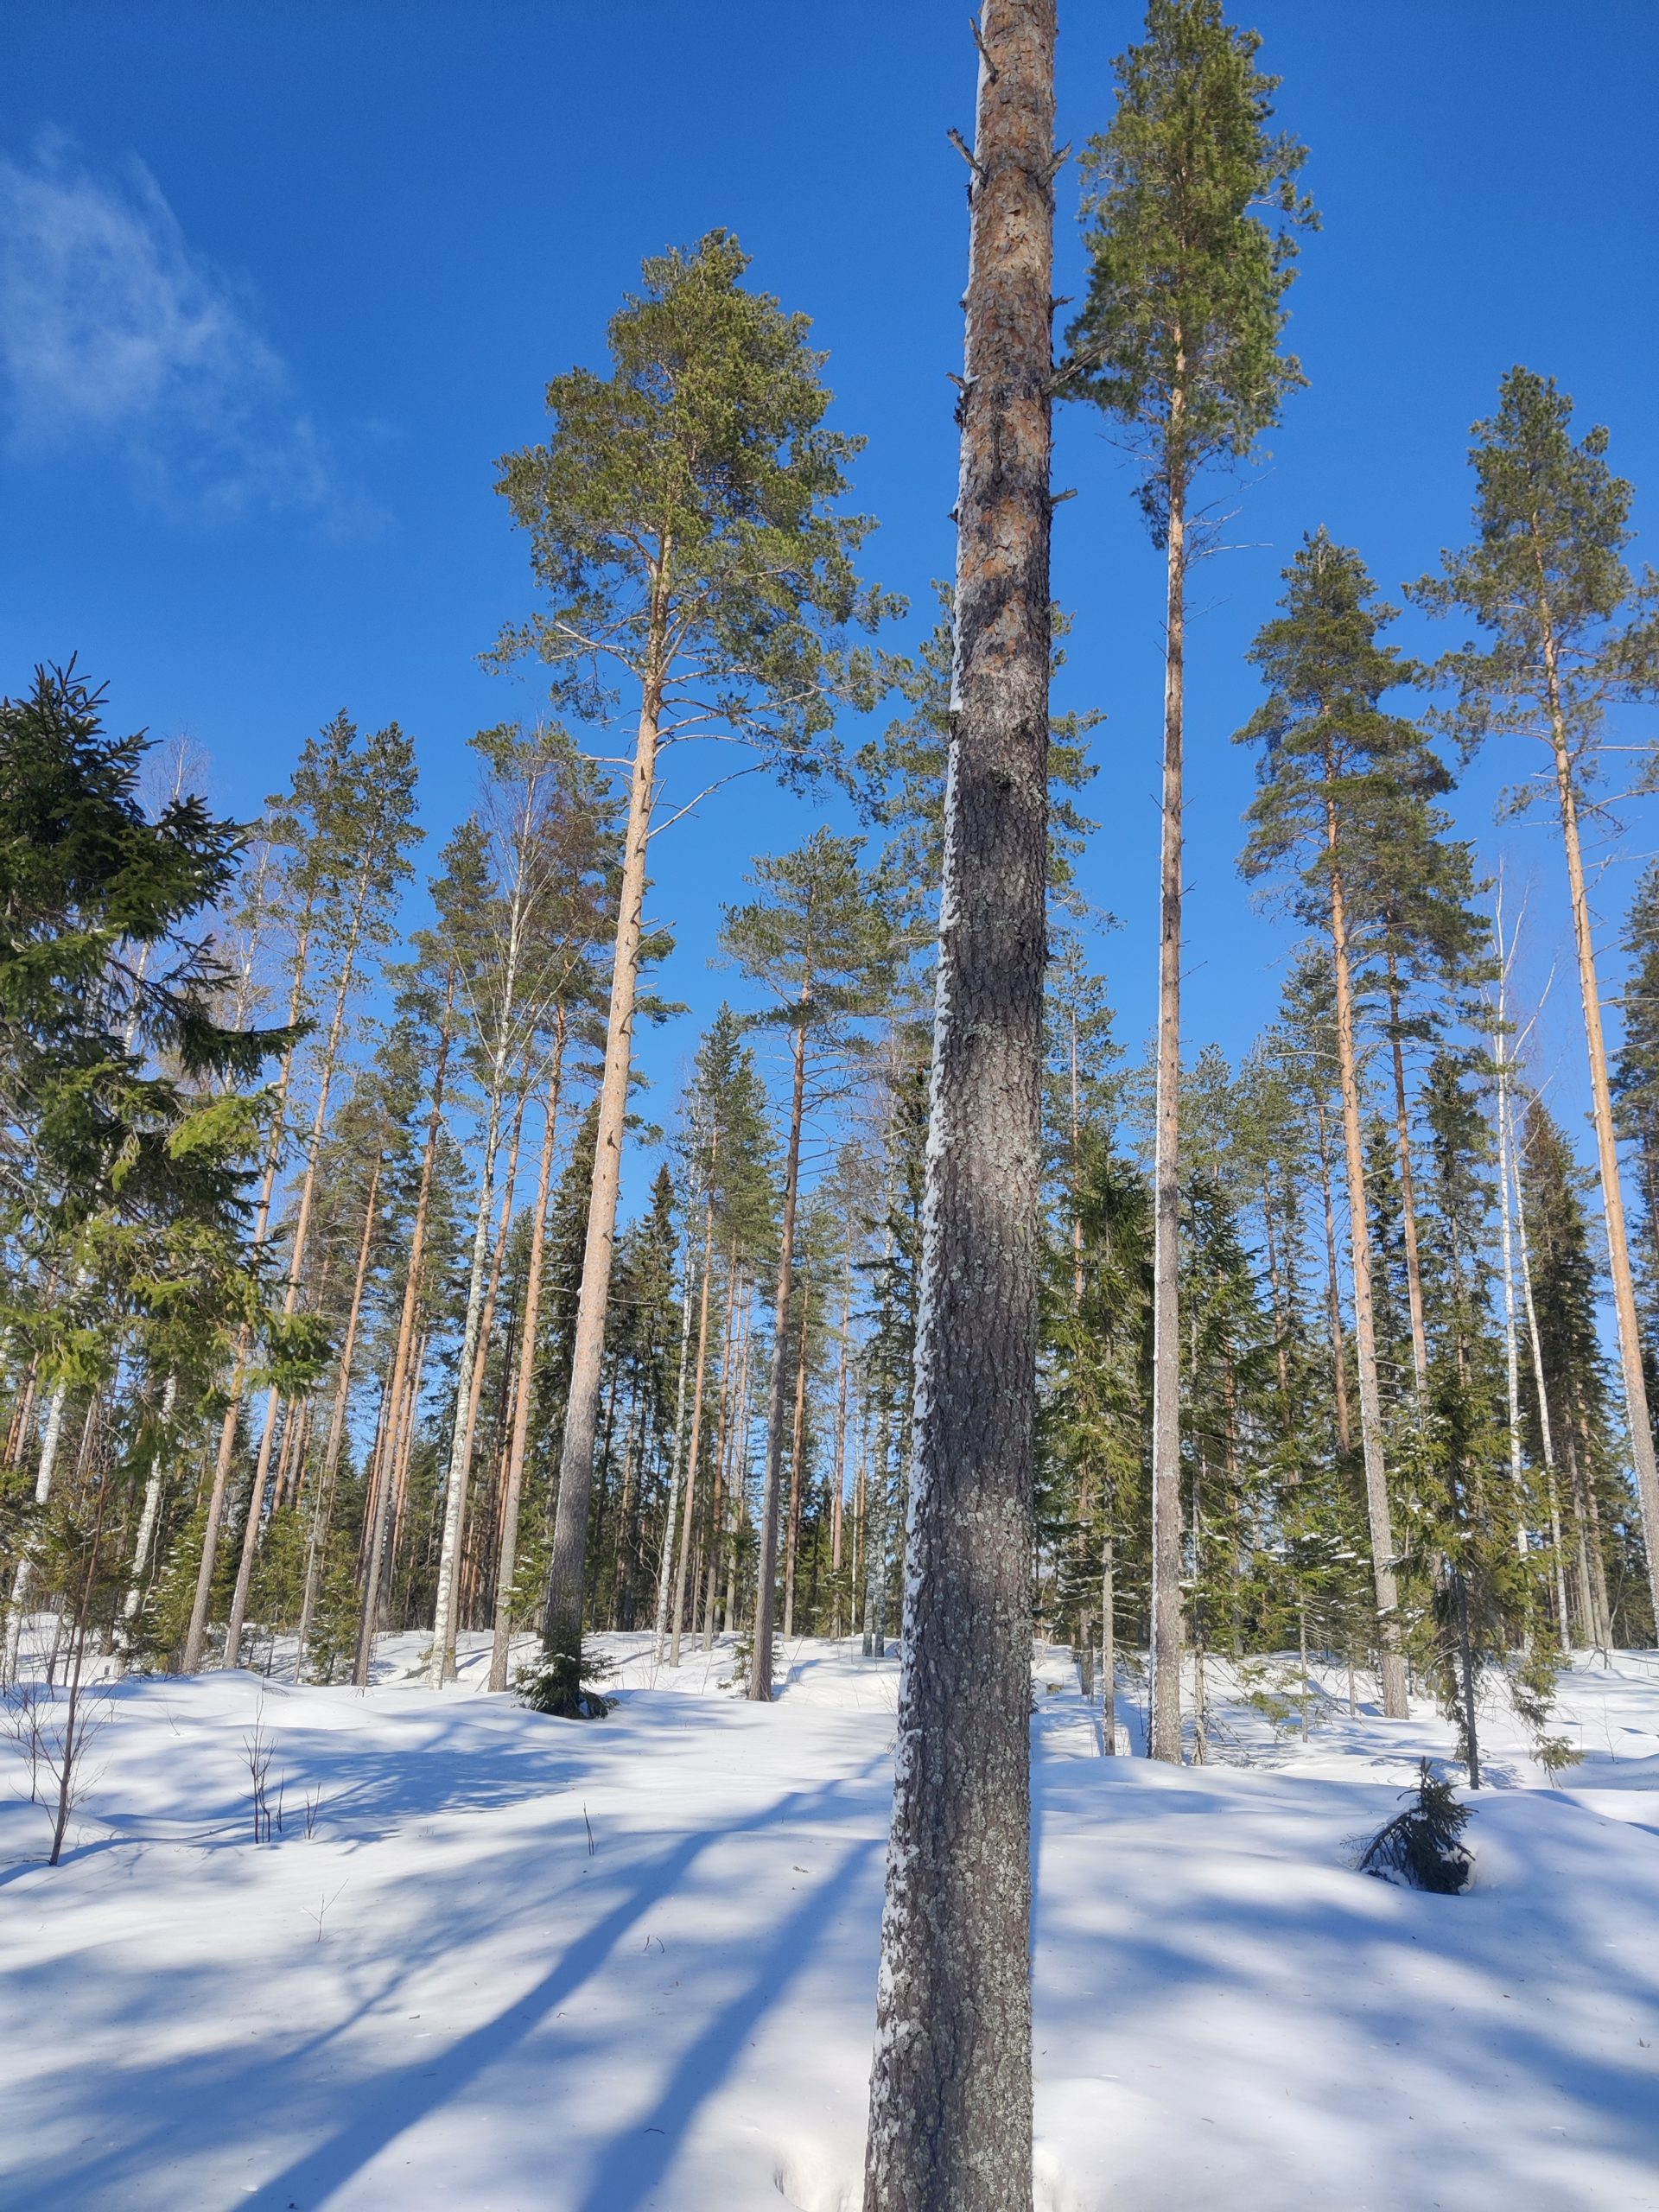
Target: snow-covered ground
501, 1963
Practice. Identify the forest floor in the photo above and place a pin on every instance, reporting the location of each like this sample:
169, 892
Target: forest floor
495, 1963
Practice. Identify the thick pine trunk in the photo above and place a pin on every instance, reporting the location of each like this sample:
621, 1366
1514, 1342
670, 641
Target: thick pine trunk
950, 2100
1167, 1623
567, 1574
1391, 1665
766, 1589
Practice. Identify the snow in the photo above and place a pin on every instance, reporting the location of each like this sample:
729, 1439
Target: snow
521, 1963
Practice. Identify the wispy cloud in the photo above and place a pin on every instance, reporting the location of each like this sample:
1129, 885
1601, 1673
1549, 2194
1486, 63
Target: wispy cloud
117, 337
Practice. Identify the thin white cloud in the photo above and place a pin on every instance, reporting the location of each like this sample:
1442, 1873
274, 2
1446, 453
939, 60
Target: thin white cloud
116, 337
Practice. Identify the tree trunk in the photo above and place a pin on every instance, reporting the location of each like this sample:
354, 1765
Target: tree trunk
401, 1363
1511, 1346
1407, 1186
450, 1610
1333, 1292
797, 1428
322, 1503
719, 1514
950, 2100
766, 1588
1107, 1650
838, 1505
1546, 1430
1167, 1623
1391, 1665
567, 1574
670, 1517
150, 1515
51, 1443
694, 1448
195, 1635
251, 1530
507, 1562
1612, 1195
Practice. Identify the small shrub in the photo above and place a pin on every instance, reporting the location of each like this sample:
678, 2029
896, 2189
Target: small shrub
1421, 1847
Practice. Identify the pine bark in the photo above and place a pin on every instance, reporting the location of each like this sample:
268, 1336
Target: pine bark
1391, 1665
950, 2103
567, 1574
1637, 1418
1166, 1623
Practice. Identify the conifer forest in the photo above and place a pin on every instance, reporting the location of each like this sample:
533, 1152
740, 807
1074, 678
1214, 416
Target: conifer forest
699, 1519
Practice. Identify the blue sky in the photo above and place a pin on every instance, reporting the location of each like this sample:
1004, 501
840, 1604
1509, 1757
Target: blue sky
278, 284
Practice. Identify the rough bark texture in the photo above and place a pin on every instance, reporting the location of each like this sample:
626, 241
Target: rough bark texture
567, 1573
1167, 1625
951, 2106
1390, 1665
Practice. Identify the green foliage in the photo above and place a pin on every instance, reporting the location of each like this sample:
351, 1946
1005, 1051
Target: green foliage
1422, 1848
684, 516
1570, 633
1190, 207
559, 1684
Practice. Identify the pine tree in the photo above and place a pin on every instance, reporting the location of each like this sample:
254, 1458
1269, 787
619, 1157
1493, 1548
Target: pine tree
950, 2099
685, 520
1336, 770
1570, 635
1180, 342
818, 942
